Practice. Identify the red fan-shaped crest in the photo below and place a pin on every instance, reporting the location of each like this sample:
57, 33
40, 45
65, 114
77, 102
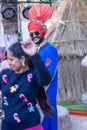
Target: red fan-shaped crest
40, 12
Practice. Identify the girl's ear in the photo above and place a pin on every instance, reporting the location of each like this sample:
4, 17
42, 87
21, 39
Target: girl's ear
23, 59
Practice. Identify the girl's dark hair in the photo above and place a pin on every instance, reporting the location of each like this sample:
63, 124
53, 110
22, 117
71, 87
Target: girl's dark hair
44, 102
17, 51
42, 98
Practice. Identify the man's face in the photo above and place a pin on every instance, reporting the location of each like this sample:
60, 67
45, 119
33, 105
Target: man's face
36, 37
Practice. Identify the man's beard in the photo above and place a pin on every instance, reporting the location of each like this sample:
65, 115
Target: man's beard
41, 39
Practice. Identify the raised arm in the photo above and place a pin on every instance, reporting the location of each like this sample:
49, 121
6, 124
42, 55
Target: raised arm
43, 75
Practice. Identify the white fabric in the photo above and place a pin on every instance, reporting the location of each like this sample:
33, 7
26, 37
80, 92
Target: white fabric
40, 111
84, 61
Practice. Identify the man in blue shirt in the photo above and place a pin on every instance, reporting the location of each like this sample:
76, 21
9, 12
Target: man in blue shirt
38, 15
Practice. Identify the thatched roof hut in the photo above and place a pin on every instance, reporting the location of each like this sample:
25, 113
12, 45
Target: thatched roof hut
68, 31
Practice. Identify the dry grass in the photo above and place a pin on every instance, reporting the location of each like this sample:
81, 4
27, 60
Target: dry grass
69, 22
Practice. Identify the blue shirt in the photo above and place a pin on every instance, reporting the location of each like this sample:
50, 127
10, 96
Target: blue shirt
49, 55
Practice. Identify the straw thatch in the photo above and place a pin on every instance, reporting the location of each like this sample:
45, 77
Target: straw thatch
67, 29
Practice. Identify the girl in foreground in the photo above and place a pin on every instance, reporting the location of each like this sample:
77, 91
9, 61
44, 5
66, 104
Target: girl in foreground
21, 87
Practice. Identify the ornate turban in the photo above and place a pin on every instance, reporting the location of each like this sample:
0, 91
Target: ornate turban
38, 15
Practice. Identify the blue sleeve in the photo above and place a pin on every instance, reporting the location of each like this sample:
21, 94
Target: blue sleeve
50, 58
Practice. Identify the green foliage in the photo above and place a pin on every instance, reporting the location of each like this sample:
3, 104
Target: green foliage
73, 105
85, 1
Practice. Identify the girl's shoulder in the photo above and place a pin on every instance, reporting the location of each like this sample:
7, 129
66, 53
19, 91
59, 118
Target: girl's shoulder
6, 71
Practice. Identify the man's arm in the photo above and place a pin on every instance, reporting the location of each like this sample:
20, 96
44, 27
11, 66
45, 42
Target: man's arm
51, 59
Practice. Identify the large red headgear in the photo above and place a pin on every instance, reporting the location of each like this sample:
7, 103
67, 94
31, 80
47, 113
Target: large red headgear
38, 15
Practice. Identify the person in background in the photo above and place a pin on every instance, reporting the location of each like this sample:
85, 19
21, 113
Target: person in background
4, 63
20, 86
38, 15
